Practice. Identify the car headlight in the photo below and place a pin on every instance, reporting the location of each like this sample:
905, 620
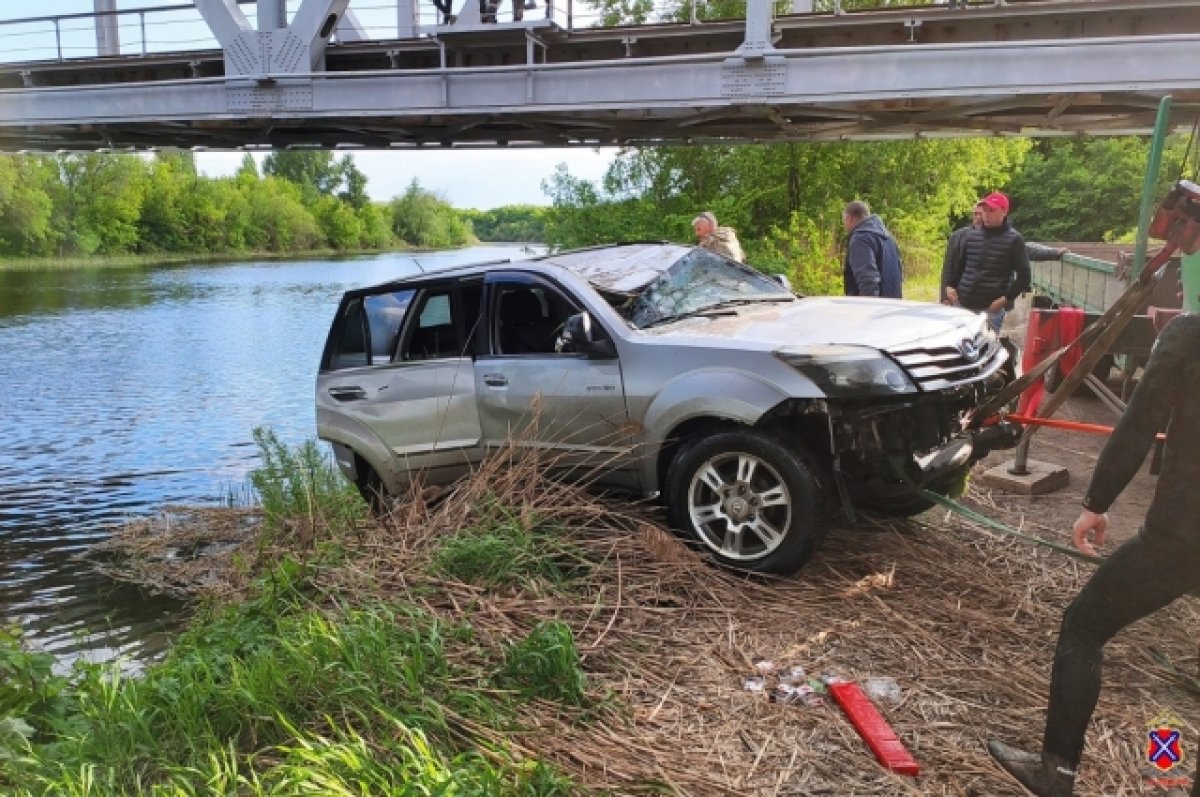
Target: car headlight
849, 371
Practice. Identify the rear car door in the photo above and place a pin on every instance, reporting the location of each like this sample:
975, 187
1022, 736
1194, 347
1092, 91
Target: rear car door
567, 404
401, 377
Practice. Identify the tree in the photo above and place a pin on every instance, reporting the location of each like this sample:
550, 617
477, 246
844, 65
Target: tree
423, 219
1086, 189
313, 170
25, 207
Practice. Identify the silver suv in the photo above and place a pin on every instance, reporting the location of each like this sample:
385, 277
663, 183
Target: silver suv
668, 371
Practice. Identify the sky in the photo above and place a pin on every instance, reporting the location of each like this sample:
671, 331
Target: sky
479, 179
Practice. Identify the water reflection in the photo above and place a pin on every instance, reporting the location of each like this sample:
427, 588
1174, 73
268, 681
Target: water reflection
125, 389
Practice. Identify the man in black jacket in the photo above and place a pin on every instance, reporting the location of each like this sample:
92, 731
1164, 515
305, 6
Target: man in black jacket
1145, 574
988, 267
872, 266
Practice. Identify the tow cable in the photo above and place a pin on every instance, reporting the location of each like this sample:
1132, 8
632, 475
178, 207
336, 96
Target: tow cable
996, 525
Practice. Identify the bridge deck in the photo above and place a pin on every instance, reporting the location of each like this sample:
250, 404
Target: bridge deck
1043, 68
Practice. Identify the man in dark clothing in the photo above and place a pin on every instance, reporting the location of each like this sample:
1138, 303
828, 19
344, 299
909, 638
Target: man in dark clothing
872, 266
1145, 574
956, 246
988, 267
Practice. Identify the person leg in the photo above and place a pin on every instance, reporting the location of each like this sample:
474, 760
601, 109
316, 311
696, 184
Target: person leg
996, 319
1139, 578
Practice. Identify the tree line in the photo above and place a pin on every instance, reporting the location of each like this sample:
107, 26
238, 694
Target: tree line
786, 200
113, 204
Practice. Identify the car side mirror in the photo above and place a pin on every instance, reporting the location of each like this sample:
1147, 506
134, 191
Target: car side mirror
577, 336
783, 281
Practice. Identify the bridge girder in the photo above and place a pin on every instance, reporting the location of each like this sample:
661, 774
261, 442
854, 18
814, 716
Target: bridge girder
1036, 86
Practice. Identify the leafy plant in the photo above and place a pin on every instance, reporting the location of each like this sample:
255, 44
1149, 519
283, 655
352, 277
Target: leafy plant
505, 551
302, 482
545, 665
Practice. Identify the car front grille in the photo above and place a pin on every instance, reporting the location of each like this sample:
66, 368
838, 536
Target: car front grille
941, 366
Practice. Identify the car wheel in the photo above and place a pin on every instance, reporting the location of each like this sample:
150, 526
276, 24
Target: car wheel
371, 488
750, 501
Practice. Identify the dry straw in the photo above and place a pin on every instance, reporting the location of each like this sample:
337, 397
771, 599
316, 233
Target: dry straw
965, 623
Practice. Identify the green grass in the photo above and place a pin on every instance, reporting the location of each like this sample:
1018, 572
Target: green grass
302, 483
297, 691
545, 665
508, 551
277, 696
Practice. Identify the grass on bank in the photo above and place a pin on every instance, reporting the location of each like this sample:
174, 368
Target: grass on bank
299, 690
478, 691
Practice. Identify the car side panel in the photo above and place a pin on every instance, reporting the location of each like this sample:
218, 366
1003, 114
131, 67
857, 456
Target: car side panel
423, 413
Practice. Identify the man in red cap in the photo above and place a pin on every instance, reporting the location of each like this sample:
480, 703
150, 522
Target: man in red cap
989, 267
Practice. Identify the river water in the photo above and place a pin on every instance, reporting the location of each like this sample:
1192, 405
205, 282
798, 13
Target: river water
122, 390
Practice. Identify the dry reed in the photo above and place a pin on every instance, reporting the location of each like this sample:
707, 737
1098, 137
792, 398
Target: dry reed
963, 620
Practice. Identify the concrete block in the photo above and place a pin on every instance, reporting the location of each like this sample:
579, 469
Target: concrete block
1042, 478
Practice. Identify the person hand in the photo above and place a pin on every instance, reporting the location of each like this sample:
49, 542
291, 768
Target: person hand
999, 304
1093, 522
952, 295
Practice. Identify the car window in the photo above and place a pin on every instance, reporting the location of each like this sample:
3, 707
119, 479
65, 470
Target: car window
352, 345
699, 280
435, 334
528, 318
385, 315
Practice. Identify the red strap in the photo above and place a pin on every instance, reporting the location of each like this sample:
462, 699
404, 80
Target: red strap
873, 728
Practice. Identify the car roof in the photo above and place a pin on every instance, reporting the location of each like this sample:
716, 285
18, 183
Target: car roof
617, 268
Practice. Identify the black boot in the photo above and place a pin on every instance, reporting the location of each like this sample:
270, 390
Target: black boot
1045, 776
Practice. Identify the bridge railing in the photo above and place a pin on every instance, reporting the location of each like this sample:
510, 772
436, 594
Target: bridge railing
178, 27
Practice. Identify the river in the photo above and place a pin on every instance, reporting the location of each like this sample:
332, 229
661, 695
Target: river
124, 389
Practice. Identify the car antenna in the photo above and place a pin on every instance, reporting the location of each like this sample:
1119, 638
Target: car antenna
418, 262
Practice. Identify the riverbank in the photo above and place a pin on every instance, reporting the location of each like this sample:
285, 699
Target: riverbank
174, 258
513, 635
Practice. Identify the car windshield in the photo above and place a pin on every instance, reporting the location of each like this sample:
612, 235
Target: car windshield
700, 281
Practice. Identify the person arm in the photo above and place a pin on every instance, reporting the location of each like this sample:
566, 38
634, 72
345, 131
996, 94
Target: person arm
1035, 251
1148, 412
952, 266
864, 264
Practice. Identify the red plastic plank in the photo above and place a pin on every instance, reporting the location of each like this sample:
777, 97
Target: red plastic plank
873, 728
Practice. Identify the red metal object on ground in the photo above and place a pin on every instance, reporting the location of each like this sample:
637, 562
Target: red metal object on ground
873, 728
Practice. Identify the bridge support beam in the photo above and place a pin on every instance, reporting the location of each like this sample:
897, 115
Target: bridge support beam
274, 49
272, 15
758, 30
108, 40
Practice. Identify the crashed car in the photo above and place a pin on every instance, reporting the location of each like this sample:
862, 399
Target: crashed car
668, 371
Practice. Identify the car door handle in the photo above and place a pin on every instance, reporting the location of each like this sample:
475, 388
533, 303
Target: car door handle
495, 380
349, 393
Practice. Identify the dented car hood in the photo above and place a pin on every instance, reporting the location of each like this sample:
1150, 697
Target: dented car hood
886, 324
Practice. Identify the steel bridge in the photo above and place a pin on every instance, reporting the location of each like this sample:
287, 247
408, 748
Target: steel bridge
550, 75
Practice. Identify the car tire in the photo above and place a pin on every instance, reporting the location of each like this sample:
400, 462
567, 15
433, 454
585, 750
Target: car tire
907, 503
749, 501
371, 488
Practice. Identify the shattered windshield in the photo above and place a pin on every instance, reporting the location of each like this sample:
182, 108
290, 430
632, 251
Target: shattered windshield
699, 281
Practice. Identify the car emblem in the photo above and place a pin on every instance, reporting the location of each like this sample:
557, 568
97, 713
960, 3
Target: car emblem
969, 349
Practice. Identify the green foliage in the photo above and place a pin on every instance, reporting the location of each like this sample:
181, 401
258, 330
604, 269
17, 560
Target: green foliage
510, 223
94, 204
1087, 189
545, 665
785, 200
508, 550
302, 482
425, 220
275, 697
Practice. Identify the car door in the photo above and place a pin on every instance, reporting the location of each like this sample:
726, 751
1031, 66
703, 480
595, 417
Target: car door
532, 396
412, 387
